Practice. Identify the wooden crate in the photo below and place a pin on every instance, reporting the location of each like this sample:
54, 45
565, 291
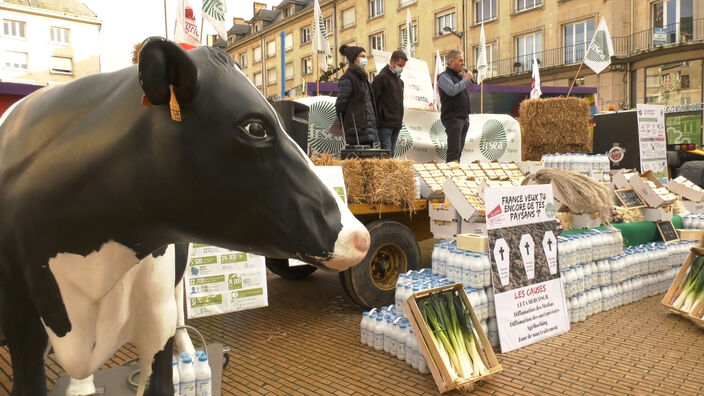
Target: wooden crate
676, 288
440, 372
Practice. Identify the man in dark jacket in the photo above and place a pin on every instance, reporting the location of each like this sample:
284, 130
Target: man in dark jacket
387, 89
454, 101
355, 104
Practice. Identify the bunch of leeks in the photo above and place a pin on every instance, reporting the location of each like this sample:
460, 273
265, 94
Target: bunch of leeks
693, 291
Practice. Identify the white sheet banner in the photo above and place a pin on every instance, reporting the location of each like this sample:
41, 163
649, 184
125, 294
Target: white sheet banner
652, 140
219, 281
417, 87
422, 138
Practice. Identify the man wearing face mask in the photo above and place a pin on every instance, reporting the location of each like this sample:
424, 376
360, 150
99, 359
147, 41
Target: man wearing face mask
355, 103
454, 99
387, 89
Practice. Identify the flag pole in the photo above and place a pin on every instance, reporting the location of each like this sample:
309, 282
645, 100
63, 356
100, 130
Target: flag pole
317, 73
201, 31
575, 79
481, 90
166, 24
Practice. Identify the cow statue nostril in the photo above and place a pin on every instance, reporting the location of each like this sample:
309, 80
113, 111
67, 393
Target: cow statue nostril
361, 241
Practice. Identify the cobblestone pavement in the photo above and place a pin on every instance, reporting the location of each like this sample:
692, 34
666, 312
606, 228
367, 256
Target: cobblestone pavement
307, 343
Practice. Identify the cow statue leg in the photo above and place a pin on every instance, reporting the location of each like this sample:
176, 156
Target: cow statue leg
27, 340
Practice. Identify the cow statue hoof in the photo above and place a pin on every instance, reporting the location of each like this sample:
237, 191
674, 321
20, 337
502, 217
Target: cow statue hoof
81, 387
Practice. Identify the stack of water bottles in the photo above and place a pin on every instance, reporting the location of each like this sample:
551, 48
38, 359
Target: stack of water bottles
594, 283
189, 378
596, 166
693, 222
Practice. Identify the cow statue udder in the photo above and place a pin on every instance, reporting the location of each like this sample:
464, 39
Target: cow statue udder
96, 175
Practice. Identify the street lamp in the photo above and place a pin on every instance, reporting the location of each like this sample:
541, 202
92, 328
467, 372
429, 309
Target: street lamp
449, 30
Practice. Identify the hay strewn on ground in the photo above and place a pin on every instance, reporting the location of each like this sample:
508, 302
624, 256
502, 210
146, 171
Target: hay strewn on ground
375, 181
555, 125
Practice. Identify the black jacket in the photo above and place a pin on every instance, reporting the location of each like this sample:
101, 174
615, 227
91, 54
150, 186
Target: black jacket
355, 103
454, 106
387, 88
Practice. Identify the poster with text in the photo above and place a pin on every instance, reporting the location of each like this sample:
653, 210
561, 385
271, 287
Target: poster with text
528, 293
219, 281
652, 140
418, 90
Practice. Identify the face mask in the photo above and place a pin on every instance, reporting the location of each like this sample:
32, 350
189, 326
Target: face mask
397, 70
362, 62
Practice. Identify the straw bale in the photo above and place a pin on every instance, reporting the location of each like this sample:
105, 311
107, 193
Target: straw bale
555, 125
389, 181
353, 171
565, 219
326, 160
679, 208
630, 215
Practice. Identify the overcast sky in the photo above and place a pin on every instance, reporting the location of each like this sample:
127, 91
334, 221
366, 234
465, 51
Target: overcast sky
127, 22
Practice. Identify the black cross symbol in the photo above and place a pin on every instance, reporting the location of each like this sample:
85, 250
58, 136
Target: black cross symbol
527, 248
501, 252
550, 245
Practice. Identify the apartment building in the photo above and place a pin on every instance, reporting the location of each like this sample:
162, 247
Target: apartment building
658, 44
48, 41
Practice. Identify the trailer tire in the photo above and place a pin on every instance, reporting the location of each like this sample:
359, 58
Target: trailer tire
393, 250
281, 268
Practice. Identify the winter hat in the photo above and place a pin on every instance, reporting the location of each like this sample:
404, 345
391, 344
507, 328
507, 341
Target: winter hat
351, 52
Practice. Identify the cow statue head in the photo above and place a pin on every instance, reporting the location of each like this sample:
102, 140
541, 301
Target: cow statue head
231, 151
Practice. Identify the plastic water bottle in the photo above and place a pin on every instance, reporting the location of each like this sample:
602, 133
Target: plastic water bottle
442, 259
363, 327
388, 329
203, 380
477, 272
435, 259
401, 341
411, 348
467, 268
486, 277
188, 377
490, 301
484, 304
176, 377
379, 333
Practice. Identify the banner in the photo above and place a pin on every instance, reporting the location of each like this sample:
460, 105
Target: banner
219, 281
528, 293
417, 87
652, 140
186, 28
600, 49
422, 137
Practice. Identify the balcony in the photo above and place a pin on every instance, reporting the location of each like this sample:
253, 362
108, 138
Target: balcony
686, 31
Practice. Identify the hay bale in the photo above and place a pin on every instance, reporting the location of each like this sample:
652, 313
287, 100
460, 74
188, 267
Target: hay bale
353, 171
555, 125
326, 160
389, 181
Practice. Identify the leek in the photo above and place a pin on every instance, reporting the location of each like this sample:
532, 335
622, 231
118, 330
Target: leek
693, 290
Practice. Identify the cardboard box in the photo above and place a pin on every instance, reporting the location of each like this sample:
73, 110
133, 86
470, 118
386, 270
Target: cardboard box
693, 207
458, 199
685, 188
442, 210
657, 214
685, 235
442, 229
473, 226
441, 373
645, 191
621, 180
585, 221
473, 242
678, 285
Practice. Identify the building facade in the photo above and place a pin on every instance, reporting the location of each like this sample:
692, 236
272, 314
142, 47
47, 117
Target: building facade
53, 41
658, 44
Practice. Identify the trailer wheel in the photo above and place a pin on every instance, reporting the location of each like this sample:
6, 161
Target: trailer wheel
281, 268
393, 250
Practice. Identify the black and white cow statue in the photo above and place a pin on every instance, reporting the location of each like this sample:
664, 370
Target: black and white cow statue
96, 176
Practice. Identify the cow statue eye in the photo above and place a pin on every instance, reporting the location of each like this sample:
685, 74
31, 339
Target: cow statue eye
255, 129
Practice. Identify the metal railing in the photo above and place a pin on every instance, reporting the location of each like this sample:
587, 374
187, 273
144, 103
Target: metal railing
675, 34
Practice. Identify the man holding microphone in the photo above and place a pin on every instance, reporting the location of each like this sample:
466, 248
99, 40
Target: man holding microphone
454, 99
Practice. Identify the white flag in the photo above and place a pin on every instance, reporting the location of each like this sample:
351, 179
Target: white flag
186, 30
438, 71
214, 11
535, 91
320, 39
599, 52
408, 46
482, 65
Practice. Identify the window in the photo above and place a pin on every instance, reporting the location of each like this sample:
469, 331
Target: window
307, 65
305, 35
258, 79
348, 18
414, 33
674, 84
14, 29
328, 25
14, 60
445, 20
59, 35
257, 54
526, 47
676, 16
492, 53
60, 65
443, 59
289, 70
257, 27
376, 8
484, 10
577, 37
289, 42
288, 11
243, 60
271, 49
403, 3
271, 76
522, 5
376, 41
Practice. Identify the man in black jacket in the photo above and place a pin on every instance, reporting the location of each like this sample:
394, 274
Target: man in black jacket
454, 101
355, 103
387, 89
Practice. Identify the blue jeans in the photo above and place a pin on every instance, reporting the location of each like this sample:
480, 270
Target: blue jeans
387, 139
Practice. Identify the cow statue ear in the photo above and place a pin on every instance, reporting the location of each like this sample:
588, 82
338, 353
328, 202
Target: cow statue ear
163, 63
